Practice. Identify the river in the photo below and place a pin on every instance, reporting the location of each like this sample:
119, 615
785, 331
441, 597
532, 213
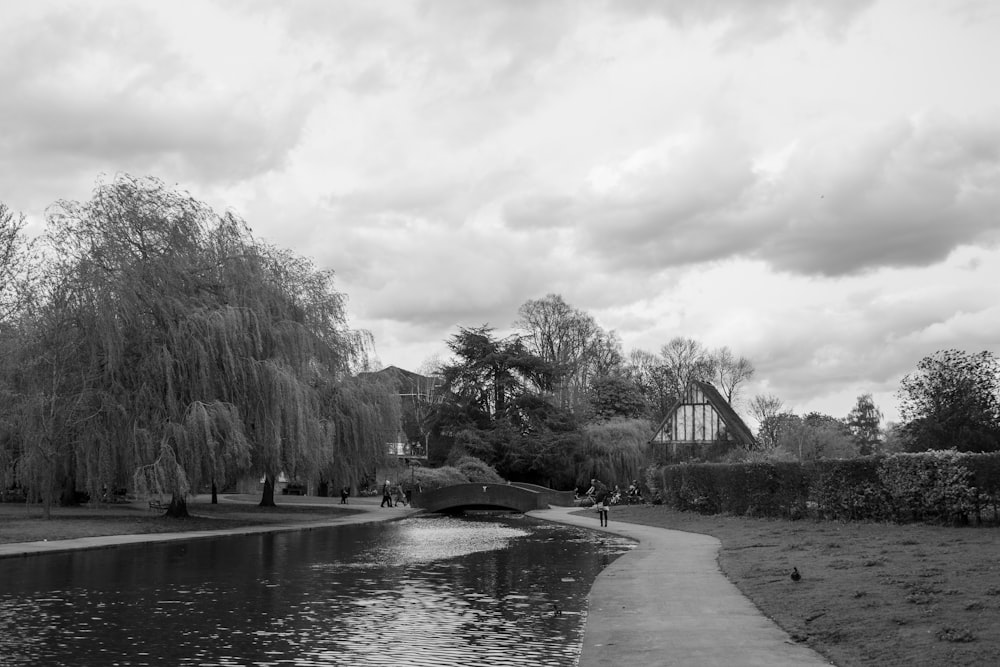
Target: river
427, 590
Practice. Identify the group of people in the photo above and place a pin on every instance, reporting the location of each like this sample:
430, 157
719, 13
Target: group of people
393, 495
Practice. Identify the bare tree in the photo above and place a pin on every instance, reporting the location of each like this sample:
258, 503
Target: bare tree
646, 372
731, 372
15, 263
572, 342
685, 360
766, 408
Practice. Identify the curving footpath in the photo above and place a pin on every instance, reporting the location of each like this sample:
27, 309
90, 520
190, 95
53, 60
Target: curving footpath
667, 603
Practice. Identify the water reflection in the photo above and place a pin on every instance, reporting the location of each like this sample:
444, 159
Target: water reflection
422, 591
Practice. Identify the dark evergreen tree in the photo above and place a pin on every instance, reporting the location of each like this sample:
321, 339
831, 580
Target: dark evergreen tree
864, 422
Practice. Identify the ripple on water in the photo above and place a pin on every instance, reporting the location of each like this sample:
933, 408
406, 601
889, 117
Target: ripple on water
441, 591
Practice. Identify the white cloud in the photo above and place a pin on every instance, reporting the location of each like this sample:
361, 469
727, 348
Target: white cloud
813, 184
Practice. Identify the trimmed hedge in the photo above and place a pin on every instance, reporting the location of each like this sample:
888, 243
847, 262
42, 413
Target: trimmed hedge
936, 486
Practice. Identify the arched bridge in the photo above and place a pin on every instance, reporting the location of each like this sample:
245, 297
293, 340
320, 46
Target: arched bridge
513, 497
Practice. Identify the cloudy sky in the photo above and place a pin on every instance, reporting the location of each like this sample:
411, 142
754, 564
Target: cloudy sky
815, 184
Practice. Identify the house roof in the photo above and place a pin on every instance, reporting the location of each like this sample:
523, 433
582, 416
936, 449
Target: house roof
737, 427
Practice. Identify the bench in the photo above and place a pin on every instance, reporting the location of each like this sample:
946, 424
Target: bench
158, 505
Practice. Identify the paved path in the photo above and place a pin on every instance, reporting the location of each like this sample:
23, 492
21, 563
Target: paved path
667, 603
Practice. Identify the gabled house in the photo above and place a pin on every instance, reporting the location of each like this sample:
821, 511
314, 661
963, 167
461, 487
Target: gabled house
700, 425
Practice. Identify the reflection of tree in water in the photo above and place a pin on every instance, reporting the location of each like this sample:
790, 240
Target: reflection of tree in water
314, 596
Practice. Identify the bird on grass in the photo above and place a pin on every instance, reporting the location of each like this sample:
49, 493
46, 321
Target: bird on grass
795, 574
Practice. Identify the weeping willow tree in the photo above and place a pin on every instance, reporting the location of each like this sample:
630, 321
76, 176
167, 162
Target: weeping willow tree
11, 257
199, 353
43, 387
613, 451
366, 415
52, 390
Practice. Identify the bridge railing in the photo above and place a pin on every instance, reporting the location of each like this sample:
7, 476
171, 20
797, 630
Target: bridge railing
504, 496
550, 496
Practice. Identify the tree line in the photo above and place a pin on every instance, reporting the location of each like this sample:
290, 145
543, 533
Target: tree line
558, 401
151, 343
538, 404
951, 401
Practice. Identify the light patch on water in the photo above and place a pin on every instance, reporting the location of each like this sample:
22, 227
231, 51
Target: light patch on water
442, 591
439, 539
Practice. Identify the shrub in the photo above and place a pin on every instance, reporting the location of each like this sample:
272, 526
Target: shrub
985, 469
848, 490
753, 489
435, 478
776, 489
695, 488
477, 470
928, 485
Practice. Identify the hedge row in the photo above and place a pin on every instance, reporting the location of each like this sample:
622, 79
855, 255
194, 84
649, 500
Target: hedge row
937, 486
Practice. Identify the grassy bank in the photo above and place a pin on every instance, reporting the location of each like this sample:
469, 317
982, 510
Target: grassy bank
25, 523
870, 594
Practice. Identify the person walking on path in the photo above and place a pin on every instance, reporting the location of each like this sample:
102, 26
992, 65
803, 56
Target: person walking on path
599, 493
386, 494
345, 491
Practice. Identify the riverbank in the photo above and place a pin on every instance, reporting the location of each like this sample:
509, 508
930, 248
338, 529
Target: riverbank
24, 531
870, 594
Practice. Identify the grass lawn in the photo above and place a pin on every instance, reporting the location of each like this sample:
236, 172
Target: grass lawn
25, 523
870, 594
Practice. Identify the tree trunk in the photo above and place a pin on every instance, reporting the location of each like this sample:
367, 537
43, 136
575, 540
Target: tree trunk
215, 494
68, 497
48, 493
267, 498
178, 508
